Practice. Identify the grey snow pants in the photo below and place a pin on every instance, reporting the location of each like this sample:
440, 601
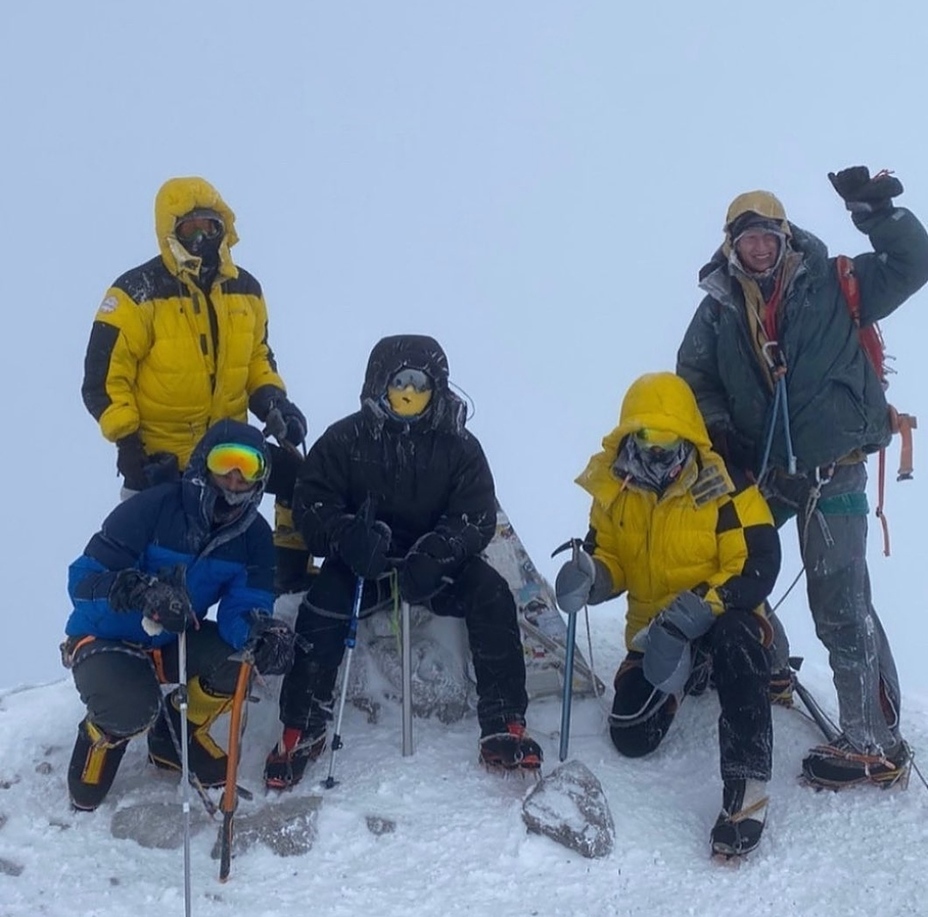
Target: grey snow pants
833, 543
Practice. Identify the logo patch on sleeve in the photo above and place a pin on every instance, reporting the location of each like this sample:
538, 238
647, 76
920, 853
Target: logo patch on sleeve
109, 304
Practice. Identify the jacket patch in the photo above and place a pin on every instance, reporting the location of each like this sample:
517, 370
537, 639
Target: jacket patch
108, 305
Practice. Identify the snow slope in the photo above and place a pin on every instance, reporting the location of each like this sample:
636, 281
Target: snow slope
459, 845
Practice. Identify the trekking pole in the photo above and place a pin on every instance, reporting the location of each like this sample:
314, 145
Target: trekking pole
406, 654
567, 696
350, 641
184, 761
229, 801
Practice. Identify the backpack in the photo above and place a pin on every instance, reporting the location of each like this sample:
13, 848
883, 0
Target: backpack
872, 344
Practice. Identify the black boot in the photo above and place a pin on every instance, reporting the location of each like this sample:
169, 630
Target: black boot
289, 758
740, 824
839, 764
508, 747
94, 762
207, 759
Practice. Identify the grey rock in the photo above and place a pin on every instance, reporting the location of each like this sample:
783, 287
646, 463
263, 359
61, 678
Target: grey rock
9, 868
155, 825
287, 828
378, 825
569, 806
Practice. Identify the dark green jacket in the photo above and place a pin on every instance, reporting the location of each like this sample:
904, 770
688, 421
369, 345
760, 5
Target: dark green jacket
836, 401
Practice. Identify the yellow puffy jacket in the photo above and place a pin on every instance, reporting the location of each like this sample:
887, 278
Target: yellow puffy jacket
703, 533
167, 359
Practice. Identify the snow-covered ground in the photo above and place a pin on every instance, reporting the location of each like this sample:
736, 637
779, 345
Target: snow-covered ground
459, 845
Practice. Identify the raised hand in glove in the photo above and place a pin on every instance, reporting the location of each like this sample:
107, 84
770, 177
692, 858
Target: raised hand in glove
863, 194
666, 643
164, 605
423, 571
272, 644
363, 544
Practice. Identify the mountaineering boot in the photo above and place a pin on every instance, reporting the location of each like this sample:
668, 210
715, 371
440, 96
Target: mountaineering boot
288, 759
839, 764
208, 760
93, 766
738, 829
508, 748
780, 687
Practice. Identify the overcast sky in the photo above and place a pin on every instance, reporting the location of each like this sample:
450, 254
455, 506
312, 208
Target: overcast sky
536, 184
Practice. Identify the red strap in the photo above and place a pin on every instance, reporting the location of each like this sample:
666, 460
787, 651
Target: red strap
849, 286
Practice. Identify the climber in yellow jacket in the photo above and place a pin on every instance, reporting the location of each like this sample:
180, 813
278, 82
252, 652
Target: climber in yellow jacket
697, 554
181, 342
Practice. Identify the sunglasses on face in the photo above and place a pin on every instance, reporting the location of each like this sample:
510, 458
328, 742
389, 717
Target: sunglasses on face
406, 377
190, 229
228, 457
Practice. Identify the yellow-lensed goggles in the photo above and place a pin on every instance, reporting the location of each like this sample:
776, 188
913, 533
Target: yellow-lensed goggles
649, 437
228, 457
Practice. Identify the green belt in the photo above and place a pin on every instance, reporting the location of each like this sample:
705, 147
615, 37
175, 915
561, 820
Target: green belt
854, 504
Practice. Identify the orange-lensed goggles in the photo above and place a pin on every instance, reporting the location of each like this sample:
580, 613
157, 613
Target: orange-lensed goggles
188, 229
649, 437
228, 457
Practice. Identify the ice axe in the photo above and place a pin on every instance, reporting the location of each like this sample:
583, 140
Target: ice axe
229, 801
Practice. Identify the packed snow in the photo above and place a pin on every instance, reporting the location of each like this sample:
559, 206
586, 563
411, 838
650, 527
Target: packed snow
435, 834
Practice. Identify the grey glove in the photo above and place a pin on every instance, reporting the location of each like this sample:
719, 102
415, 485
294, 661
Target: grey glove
581, 581
666, 643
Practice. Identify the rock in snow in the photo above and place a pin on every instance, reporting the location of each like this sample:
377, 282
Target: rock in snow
569, 806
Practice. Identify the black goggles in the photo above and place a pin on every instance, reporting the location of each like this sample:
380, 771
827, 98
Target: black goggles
189, 229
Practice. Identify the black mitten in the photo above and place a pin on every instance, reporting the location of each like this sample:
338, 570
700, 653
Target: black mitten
164, 603
272, 644
363, 546
423, 570
863, 194
131, 459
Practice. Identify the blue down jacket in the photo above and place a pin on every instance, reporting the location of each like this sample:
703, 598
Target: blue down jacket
168, 525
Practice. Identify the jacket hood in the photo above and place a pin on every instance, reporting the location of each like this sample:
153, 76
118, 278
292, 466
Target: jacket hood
662, 401
416, 351
200, 497
763, 204
178, 196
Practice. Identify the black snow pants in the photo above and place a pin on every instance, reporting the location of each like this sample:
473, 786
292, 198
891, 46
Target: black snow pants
740, 666
478, 594
120, 683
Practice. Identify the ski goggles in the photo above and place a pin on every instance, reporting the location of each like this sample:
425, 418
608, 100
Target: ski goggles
407, 377
651, 438
198, 226
228, 457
